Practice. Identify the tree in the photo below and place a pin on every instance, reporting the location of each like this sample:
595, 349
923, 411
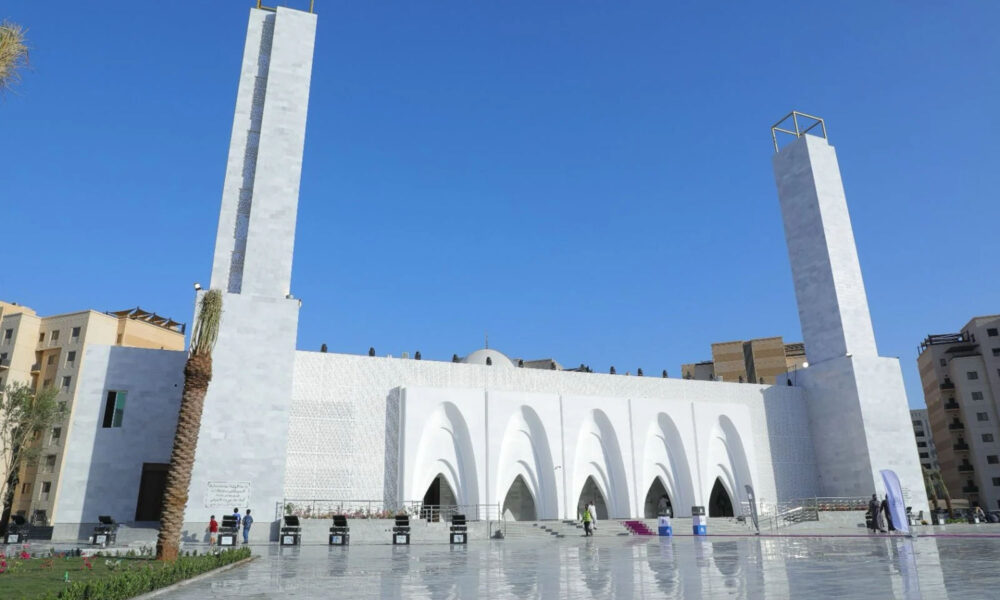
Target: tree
13, 54
197, 375
24, 416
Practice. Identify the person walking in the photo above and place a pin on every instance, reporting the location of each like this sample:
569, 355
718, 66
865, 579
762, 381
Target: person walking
593, 514
213, 530
586, 521
237, 517
247, 522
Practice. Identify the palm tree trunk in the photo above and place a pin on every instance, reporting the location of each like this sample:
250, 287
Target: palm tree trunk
197, 375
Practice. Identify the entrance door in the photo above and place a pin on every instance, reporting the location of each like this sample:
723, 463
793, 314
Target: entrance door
519, 503
656, 491
592, 493
151, 488
719, 503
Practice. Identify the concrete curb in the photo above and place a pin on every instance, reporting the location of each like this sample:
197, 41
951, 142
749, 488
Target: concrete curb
179, 584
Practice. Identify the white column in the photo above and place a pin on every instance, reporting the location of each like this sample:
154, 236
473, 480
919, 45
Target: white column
858, 413
244, 427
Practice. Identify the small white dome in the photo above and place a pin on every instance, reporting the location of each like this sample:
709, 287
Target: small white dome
498, 359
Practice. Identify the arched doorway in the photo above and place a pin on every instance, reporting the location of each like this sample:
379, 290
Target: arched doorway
719, 503
439, 496
592, 493
656, 491
519, 502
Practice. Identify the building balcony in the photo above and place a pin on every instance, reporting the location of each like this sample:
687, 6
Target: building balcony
956, 425
965, 468
947, 385
970, 489
951, 405
36, 368
4, 363
960, 447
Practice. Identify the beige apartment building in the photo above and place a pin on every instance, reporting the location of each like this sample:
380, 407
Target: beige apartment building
755, 361
960, 375
48, 352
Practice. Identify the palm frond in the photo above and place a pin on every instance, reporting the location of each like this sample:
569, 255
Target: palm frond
13, 54
206, 330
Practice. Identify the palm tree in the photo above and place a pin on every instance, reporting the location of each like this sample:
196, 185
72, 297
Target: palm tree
197, 375
13, 54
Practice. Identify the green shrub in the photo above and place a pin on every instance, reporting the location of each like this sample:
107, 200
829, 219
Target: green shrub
128, 583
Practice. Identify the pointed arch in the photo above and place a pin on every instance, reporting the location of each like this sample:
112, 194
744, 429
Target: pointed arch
525, 453
519, 502
599, 458
727, 463
656, 490
445, 450
720, 501
665, 457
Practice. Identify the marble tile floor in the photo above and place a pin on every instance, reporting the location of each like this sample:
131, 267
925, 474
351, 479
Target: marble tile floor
632, 567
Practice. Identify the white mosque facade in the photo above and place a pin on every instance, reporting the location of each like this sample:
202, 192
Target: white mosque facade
284, 426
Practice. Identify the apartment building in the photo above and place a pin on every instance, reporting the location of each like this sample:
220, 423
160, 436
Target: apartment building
755, 361
960, 375
48, 352
925, 441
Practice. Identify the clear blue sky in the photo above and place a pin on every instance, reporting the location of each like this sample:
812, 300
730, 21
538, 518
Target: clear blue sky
589, 181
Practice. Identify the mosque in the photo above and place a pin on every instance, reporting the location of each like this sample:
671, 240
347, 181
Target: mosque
285, 426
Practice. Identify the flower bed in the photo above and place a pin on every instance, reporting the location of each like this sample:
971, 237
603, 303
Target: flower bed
69, 576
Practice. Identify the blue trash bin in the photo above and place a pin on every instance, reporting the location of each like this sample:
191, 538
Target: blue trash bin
699, 523
664, 527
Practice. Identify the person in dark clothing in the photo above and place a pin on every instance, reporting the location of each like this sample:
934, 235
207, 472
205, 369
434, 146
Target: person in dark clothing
873, 508
663, 507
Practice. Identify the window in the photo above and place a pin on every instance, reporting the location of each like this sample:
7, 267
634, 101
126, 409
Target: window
992, 332
55, 336
114, 409
56, 436
43, 495
61, 407
921, 444
71, 358
993, 459
987, 437
982, 417
977, 395
26, 488
918, 433
924, 455
7, 334
996, 352
51, 360
75, 334
917, 422
41, 337
66, 380
972, 375
47, 384
944, 363
50, 464
3, 358
996, 481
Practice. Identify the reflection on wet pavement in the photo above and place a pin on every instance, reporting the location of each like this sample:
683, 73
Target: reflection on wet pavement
878, 567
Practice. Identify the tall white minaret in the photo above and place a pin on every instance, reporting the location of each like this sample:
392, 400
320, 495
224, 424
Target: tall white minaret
240, 457
859, 415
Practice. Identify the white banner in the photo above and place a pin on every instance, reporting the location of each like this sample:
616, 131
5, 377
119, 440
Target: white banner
896, 506
227, 494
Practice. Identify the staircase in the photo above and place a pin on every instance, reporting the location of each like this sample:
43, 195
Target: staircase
638, 528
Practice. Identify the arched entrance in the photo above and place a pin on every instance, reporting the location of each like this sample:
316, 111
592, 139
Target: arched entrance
592, 493
439, 495
719, 503
656, 491
519, 502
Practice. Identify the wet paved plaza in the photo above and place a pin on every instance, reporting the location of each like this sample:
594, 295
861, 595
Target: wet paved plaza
627, 567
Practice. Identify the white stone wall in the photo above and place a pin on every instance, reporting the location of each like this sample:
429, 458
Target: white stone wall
338, 448
102, 466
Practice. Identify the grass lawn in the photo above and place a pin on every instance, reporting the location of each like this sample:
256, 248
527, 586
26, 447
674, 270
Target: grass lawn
31, 578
